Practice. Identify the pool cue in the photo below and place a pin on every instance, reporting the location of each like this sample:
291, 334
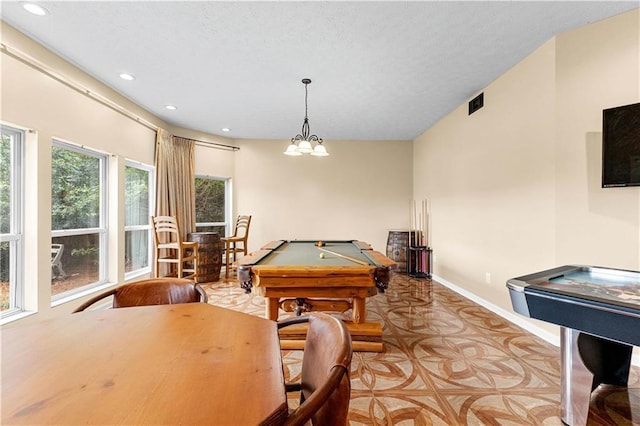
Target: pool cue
416, 234
361, 262
409, 237
423, 236
426, 223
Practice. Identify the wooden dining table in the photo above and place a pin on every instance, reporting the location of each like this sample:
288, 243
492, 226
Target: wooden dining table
190, 363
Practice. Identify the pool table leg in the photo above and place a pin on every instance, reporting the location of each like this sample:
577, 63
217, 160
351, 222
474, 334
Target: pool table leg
359, 310
271, 308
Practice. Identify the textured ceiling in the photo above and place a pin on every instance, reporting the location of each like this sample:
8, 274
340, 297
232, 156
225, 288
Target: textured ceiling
380, 70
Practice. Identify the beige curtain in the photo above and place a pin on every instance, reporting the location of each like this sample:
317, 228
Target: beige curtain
175, 180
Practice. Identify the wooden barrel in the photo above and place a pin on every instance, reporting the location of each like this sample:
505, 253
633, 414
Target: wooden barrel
397, 243
209, 255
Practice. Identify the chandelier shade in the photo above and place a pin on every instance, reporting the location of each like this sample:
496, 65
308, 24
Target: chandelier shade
292, 150
304, 147
302, 142
319, 150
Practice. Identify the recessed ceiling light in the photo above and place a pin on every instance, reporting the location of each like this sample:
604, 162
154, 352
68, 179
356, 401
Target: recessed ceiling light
127, 77
171, 107
226, 129
34, 8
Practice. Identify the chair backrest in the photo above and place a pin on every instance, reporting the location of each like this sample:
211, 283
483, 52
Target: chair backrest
325, 386
56, 261
56, 253
166, 229
154, 291
158, 291
242, 227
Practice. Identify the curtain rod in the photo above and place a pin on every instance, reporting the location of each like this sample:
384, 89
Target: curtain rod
39, 66
213, 144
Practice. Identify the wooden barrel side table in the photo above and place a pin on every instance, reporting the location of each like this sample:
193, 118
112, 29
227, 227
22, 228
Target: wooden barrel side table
397, 243
209, 254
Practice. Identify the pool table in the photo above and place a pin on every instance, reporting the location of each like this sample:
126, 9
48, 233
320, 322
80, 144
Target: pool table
301, 276
598, 310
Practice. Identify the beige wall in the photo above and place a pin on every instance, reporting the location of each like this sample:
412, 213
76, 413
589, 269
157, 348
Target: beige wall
597, 68
515, 187
359, 192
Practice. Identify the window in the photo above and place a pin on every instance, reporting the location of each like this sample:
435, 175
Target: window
137, 226
78, 217
212, 205
11, 213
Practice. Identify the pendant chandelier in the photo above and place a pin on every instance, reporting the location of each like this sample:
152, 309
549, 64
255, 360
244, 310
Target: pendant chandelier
301, 144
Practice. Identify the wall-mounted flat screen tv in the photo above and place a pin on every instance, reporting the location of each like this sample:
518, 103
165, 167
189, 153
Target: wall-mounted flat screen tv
621, 146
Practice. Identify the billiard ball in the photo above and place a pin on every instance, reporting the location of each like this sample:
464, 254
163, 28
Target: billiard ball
320, 244
321, 255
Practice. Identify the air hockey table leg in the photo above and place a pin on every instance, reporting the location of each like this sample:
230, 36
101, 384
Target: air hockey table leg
587, 362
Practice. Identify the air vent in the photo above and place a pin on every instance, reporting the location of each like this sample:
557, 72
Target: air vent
476, 103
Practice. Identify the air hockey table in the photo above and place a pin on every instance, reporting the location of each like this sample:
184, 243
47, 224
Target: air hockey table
598, 310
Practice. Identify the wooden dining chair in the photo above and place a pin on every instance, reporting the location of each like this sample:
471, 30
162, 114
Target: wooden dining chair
236, 243
154, 291
171, 249
325, 386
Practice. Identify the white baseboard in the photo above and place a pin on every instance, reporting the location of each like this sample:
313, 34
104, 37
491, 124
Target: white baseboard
516, 319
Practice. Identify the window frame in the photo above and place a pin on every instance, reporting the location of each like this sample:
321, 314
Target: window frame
15, 237
102, 231
151, 184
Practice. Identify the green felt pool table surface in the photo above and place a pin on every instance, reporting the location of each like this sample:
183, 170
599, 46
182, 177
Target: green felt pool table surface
308, 253
299, 263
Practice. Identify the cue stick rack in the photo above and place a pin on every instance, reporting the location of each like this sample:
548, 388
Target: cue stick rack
419, 254
419, 260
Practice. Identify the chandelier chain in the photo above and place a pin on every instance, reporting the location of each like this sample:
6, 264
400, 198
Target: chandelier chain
306, 95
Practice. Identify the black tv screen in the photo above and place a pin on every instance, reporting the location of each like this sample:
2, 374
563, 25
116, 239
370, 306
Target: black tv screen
621, 146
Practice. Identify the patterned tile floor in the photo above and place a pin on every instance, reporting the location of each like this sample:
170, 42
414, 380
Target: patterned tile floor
449, 361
